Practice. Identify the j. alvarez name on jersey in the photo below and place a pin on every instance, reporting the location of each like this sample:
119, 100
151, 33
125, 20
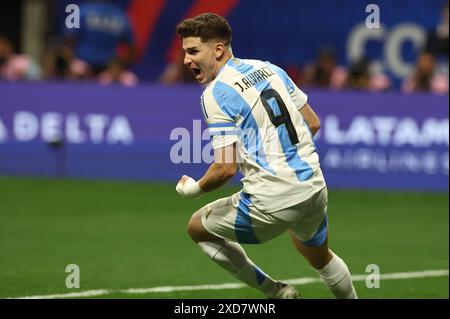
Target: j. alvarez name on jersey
253, 78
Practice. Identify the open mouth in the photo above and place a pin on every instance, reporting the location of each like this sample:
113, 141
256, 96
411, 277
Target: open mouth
197, 72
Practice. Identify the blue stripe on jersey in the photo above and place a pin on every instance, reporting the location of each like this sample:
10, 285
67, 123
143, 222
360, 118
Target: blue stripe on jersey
283, 76
274, 106
224, 124
223, 94
260, 275
320, 236
301, 168
202, 102
231, 132
243, 223
232, 103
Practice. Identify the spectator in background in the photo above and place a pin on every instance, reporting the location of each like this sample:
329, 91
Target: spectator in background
59, 63
324, 72
176, 72
56, 63
15, 67
116, 73
103, 27
437, 41
358, 76
363, 75
425, 77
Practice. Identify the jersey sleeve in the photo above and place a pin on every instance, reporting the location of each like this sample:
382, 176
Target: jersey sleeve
298, 96
221, 126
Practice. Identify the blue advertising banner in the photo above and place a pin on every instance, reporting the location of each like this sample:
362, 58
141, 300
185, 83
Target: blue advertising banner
156, 133
288, 32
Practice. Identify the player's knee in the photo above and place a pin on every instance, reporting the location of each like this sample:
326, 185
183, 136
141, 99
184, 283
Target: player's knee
191, 230
320, 259
194, 228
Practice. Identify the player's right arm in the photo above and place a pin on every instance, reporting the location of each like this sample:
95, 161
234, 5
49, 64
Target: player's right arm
219, 117
311, 118
219, 173
222, 170
219, 113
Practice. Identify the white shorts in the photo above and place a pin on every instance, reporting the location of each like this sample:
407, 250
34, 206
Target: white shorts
235, 218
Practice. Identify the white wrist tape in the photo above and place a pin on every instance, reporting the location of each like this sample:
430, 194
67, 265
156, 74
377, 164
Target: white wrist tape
189, 189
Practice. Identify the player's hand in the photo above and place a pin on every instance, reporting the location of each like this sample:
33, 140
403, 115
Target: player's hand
187, 187
183, 179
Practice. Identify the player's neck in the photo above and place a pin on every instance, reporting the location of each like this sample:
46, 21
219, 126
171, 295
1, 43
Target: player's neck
227, 56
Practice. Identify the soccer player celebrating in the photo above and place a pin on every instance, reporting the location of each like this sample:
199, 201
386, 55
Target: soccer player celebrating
261, 123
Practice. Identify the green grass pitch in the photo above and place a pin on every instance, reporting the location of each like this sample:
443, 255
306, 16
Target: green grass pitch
133, 235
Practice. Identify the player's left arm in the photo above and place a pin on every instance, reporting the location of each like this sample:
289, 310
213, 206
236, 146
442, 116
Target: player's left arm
219, 173
311, 118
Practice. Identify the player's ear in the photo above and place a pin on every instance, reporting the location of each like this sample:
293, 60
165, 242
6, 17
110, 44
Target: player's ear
219, 50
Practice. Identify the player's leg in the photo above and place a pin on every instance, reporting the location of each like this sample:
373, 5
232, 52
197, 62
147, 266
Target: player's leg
317, 256
229, 254
331, 268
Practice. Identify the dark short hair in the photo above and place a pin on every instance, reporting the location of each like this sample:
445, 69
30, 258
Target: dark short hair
206, 26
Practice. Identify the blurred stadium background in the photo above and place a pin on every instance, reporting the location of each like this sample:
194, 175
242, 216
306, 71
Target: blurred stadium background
91, 121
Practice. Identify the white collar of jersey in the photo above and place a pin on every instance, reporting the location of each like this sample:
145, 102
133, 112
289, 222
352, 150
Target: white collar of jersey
230, 60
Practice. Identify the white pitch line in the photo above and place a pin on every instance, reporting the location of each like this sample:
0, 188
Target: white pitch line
295, 281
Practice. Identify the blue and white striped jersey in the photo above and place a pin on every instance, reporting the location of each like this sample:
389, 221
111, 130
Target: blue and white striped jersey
255, 104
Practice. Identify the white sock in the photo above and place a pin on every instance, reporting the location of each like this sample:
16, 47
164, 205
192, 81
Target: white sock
337, 277
232, 257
